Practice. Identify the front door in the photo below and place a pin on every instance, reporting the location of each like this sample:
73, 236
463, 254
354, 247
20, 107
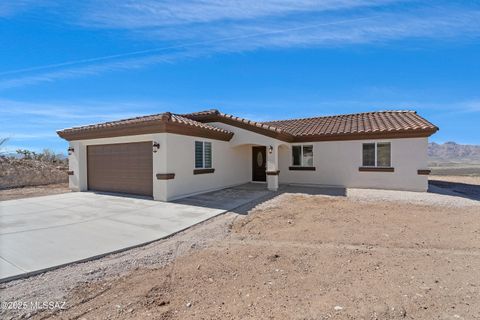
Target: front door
259, 161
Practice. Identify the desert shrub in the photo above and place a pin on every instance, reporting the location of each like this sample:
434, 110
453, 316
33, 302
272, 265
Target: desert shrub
46, 155
23, 172
24, 153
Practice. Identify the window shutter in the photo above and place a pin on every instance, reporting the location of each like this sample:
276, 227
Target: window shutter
296, 155
208, 154
198, 154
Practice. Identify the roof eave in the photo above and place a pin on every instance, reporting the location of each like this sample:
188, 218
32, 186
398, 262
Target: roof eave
144, 128
367, 135
218, 117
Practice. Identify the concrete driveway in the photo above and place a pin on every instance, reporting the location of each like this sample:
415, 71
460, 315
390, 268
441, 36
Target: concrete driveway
45, 232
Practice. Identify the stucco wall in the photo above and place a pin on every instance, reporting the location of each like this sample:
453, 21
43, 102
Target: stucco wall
337, 164
78, 161
176, 155
249, 138
231, 164
231, 160
244, 137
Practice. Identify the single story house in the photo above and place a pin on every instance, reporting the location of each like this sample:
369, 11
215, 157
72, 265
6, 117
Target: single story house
168, 156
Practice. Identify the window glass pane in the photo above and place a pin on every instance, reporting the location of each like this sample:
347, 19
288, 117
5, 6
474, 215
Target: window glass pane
198, 154
383, 154
259, 159
296, 154
208, 154
369, 154
308, 156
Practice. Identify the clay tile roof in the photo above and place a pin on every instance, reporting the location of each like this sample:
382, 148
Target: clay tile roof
213, 115
253, 123
202, 113
182, 120
355, 124
348, 126
150, 119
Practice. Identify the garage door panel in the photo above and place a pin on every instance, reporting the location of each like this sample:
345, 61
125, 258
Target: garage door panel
123, 167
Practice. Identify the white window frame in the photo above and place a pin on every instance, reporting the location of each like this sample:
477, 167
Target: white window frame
376, 162
301, 155
203, 154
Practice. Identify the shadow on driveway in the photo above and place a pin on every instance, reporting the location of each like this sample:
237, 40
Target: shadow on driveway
43, 233
241, 199
464, 190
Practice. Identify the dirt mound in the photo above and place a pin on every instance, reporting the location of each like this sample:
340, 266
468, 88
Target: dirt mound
304, 257
28, 172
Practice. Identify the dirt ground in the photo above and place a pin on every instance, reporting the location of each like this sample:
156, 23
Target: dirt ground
296, 256
35, 191
466, 170
44, 190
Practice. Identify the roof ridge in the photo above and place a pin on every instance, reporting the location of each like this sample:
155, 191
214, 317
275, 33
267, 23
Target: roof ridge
163, 116
344, 114
195, 122
209, 111
117, 121
253, 122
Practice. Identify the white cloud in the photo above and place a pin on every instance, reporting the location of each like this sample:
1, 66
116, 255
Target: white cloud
27, 136
464, 107
155, 13
195, 28
34, 124
9, 8
55, 112
473, 106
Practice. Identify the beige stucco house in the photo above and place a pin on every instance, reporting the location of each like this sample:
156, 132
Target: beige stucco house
169, 156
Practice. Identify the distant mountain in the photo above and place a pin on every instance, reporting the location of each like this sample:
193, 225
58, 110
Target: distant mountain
452, 152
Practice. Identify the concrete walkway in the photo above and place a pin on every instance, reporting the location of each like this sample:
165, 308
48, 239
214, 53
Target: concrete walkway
45, 232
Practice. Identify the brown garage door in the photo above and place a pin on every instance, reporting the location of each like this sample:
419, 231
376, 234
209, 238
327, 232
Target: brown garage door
122, 167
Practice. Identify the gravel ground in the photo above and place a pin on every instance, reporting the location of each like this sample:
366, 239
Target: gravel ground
447, 191
375, 254
435, 197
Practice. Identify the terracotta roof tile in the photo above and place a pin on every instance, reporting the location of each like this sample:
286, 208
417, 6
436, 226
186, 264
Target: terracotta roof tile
369, 122
161, 117
215, 113
347, 126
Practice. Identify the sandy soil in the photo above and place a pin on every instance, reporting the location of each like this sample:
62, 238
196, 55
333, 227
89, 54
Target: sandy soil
36, 191
466, 170
293, 257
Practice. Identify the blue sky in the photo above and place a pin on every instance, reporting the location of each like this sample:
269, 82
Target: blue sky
65, 63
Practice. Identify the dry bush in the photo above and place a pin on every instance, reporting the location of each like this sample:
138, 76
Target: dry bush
32, 169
